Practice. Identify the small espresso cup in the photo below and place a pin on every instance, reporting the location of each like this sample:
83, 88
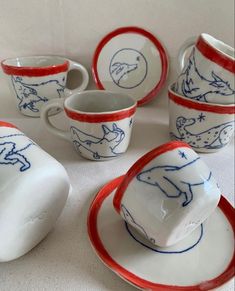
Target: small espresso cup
167, 194
207, 75
35, 80
100, 122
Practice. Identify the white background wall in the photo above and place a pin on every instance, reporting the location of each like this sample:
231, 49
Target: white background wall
73, 28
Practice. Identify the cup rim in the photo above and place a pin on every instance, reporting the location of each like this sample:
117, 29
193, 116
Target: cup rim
34, 71
210, 40
139, 165
102, 116
198, 105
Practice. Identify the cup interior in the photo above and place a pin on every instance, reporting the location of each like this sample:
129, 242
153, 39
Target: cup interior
99, 102
35, 61
219, 45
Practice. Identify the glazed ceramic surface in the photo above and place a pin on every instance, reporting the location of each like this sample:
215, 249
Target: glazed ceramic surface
33, 191
208, 73
131, 60
100, 123
36, 80
167, 194
202, 261
205, 127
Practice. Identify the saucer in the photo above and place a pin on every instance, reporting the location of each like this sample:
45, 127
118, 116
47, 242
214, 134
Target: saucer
202, 261
130, 60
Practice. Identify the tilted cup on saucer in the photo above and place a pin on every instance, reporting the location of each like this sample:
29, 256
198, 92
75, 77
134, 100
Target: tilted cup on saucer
100, 122
35, 80
208, 74
167, 194
206, 127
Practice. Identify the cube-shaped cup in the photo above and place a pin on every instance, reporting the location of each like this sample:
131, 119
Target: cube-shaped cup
167, 194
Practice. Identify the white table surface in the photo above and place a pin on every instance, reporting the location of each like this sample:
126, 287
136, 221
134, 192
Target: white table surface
64, 260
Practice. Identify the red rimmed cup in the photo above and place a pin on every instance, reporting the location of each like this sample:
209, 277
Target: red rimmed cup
207, 74
100, 122
205, 127
34, 80
167, 194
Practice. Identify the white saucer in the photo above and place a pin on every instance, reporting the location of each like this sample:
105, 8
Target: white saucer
130, 60
202, 261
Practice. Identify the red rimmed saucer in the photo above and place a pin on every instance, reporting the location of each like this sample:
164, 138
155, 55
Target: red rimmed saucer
131, 60
202, 261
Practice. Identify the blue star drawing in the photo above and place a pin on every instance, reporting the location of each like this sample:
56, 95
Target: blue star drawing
130, 123
201, 117
182, 155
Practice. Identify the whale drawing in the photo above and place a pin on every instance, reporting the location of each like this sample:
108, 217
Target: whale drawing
164, 177
13, 154
186, 83
212, 138
119, 70
32, 96
99, 147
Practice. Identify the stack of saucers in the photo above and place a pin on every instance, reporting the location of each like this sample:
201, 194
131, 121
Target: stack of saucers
202, 100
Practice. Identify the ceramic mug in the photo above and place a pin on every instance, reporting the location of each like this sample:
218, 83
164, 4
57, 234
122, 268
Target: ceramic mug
100, 122
35, 80
205, 127
167, 193
207, 75
33, 191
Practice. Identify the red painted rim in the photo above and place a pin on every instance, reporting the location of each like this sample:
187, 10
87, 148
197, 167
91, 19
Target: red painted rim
34, 71
215, 55
139, 165
7, 124
201, 106
100, 117
153, 39
228, 274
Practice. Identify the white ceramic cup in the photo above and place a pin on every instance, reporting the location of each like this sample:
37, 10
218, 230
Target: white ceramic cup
33, 191
167, 193
100, 122
207, 75
35, 80
205, 127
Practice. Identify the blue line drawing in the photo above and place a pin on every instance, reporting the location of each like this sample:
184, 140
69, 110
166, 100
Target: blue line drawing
213, 138
119, 70
99, 147
32, 96
12, 154
130, 219
163, 178
161, 250
186, 83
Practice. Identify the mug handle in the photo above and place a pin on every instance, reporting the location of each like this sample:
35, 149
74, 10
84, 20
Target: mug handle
52, 104
182, 52
85, 77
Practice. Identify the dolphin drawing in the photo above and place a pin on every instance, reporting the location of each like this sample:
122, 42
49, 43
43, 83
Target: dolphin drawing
165, 179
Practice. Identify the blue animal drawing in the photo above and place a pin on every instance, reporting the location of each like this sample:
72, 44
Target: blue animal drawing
13, 154
130, 219
186, 83
164, 177
213, 138
119, 70
99, 147
32, 96
169, 250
